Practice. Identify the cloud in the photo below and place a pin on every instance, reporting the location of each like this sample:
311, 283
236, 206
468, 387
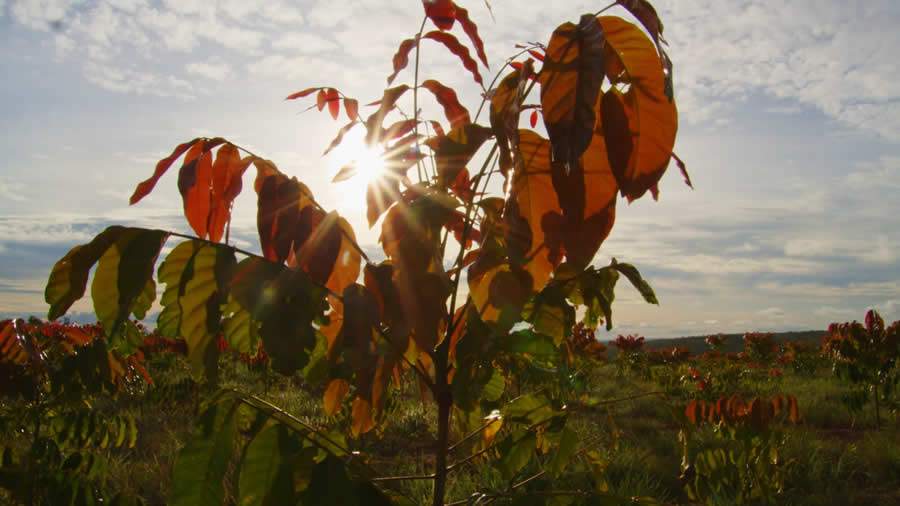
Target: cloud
12, 191
215, 71
304, 42
772, 312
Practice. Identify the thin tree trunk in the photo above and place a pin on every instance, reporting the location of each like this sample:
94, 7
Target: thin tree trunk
445, 402
877, 408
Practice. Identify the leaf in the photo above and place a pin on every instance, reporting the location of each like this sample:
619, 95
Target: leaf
462, 52
568, 444
286, 215
321, 99
330, 255
683, 169
506, 106
269, 467
351, 107
204, 293
334, 396
200, 467
340, 136
285, 302
515, 453
123, 283
227, 173
637, 280
194, 184
387, 103
441, 12
334, 102
145, 187
570, 78
346, 172
69, 276
471, 29
401, 57
646, 14
500, 293
652, 118
302, 93
446, 97
453, 151
240, 330
535, 201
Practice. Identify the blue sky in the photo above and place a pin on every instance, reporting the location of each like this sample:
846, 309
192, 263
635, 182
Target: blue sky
789, 122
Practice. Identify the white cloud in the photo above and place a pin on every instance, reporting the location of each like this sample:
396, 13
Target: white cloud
772, 312
11, 190
304, 43
215, 71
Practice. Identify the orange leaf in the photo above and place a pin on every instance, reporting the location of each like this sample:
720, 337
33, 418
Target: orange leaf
570, 78
351, 107
454, 46
335, 393
387, 103
334, 102
536, 202
195, 184
506, 106
401, 58
228, 171
361, 415
286, 215
652, 118
453, 110
302, 93
453, 151
145, 187
321, 99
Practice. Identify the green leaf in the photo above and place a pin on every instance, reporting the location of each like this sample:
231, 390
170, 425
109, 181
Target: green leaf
637, 280
201, 465
551, 314
269, 465
240, 329
516, 450
331, 484
123, 283
494, 387
175, 271
69, 276
598, 292
529, 409
567, 445
286, 303
531, 343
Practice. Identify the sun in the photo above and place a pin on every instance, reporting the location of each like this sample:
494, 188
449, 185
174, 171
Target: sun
352, 166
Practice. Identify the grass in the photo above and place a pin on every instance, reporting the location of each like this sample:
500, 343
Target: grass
834, 456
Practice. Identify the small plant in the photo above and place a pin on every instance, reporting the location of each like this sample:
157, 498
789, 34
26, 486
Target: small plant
866, 354
745, 464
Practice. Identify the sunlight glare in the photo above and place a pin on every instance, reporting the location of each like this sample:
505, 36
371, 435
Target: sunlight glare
369, 163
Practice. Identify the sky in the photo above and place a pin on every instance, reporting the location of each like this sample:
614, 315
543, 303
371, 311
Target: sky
789, 123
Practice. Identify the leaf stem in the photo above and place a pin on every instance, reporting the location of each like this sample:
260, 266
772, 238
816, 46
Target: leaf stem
419, 166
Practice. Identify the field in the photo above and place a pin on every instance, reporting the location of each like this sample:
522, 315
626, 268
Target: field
631, 409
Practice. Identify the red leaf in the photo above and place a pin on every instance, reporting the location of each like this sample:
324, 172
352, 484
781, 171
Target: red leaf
401, 58
462, 15
195, 184
455, 112
534, 118
683, 169
321, 99
537, 56
228, 170
145, 187
340, 136
334, 102
301, 94
351, 107
452, 43
398, 129
441, 12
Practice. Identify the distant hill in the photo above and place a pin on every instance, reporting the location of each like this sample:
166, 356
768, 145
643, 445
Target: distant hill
733, 342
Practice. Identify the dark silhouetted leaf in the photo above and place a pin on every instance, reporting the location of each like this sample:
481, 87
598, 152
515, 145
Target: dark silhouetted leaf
454, 46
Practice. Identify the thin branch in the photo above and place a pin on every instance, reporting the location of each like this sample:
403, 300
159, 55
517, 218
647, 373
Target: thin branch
419, 166
404, 478
472, 434
608, 7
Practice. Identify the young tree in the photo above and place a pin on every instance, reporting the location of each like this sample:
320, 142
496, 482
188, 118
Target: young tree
321, 307
867, 354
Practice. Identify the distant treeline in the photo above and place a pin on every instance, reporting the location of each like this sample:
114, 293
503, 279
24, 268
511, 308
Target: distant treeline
732, 343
